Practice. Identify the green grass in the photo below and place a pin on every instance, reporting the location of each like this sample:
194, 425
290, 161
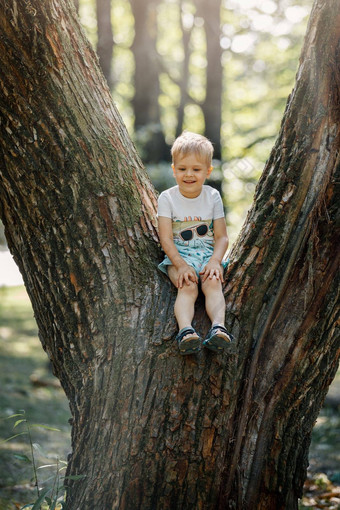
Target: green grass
22, 359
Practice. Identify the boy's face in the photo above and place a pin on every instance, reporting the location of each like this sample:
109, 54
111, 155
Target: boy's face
190, 173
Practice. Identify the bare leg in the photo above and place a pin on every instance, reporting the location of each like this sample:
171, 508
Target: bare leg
185, 301
188, 340
218, 337
214, 300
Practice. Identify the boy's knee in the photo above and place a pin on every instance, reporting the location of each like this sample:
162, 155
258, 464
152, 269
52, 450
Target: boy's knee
211, 285
189, 288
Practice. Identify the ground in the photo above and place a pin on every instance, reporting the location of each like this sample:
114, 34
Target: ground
27, 385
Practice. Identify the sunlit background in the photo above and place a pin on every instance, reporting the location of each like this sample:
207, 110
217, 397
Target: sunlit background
259, 46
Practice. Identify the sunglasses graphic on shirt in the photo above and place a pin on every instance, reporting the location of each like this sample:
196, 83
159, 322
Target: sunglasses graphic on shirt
188, 233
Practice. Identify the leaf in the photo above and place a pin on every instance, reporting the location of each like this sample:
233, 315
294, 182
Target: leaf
41, 498
20, 456
46, 466
27, 506
14, 416
12, 437
39, 425
18, 422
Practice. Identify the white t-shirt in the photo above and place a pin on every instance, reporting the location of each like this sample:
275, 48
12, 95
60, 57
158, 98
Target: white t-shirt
192, 218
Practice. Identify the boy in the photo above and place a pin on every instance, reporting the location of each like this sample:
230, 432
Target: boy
193, 235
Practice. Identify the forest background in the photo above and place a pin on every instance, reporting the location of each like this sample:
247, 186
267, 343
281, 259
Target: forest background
223, 68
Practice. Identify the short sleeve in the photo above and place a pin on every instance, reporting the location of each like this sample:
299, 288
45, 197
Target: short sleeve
164, 206
218, 206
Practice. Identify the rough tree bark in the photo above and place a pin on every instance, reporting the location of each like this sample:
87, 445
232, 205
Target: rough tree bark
105, 38
151, 429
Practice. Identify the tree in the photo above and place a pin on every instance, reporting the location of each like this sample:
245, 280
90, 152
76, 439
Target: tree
145, 103
151, 429
212, 106
184, 80
105, 38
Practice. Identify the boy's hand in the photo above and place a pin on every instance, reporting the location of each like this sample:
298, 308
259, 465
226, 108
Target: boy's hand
211, 270
185, 274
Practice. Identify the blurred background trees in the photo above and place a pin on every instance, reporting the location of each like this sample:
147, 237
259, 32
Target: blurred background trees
223, 68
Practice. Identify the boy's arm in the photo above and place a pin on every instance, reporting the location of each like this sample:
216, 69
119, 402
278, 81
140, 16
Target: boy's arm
185, 272
220, 247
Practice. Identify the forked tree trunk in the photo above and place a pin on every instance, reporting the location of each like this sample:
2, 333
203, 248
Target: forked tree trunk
152, 429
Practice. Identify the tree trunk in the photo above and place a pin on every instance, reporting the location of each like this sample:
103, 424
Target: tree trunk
184, 81
148, 128
212, 106
105, 38
152, 429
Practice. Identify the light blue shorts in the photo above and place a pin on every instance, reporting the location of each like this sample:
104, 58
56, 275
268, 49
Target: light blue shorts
197, 257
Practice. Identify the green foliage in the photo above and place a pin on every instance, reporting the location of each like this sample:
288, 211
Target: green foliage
261, 43
161, 175
23, 367
50, 492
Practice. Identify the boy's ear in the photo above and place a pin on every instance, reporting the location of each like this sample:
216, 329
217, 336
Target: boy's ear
210, 170
173, 168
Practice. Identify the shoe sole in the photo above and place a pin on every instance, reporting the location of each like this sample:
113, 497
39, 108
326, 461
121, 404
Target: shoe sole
217, 343
190, 346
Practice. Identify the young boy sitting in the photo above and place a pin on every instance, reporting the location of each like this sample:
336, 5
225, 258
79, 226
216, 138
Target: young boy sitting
193, 235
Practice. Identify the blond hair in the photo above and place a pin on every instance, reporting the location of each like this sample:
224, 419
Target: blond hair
188, 143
